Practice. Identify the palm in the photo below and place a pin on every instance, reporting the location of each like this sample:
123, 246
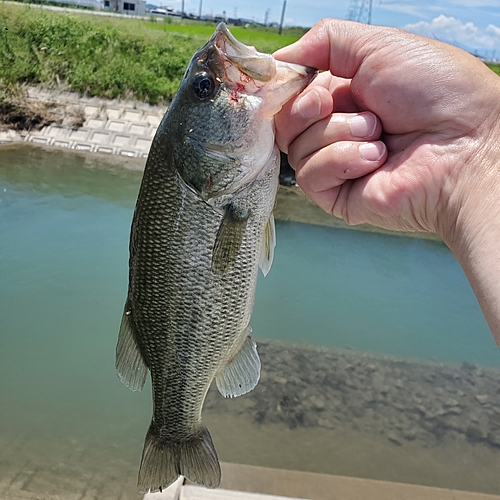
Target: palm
405, 193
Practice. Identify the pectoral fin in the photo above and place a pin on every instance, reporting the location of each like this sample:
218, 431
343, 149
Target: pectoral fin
268, 244
229, 237
242, 373
129, 362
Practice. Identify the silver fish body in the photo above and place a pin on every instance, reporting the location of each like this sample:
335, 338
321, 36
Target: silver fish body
202, 227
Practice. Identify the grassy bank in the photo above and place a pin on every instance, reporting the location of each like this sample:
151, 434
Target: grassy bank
104, 56
495, 68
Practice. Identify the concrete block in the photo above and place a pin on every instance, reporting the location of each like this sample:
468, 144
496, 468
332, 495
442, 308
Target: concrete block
100, 137
61, 144
36, 139
104, 149
153, 120
113, 113
79, 134
139, 129
128, 152
122, 140
116, 126
9, 136
82, 146
95, 123
90, 110
132, 115
55, 131
143, 144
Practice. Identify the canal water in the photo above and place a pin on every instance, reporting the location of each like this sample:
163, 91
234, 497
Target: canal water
376, 359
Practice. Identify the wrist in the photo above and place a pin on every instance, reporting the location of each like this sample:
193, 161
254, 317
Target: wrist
470, 225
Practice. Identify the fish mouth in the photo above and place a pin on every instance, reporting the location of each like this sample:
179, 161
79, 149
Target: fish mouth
254, 73
258, 66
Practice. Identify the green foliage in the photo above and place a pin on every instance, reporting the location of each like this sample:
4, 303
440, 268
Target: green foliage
92, 56
264, 40
495, 68
109, 57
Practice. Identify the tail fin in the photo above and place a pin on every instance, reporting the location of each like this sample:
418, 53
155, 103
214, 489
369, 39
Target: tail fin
164, 461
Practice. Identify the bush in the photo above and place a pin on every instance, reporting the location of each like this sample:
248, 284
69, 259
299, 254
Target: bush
115, 59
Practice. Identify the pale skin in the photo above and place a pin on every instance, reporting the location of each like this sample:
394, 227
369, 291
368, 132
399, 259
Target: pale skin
402, 132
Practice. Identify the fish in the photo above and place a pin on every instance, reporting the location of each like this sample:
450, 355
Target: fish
201, 228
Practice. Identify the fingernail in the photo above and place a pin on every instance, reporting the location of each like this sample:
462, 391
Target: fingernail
363, 125
309, 105
372, 151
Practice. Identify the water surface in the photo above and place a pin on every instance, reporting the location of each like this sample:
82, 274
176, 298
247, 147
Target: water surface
64, 228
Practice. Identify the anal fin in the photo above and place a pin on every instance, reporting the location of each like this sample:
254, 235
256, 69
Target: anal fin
242, 373
129, 362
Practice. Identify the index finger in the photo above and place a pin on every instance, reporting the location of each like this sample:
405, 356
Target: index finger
313, 104
332, 44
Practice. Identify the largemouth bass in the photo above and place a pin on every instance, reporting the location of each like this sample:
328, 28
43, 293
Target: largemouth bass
202, 226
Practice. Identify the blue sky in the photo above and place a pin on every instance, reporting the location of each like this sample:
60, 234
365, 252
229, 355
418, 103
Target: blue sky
470, 24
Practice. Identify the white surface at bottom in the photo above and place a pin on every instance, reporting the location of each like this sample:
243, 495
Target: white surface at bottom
190, 492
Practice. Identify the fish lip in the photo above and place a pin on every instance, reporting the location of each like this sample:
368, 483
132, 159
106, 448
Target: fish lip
222, 33
254, 64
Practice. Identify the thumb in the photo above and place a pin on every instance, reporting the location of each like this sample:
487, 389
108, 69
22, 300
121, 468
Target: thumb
334, 45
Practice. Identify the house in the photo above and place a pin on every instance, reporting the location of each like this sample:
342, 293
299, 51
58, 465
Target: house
132, 7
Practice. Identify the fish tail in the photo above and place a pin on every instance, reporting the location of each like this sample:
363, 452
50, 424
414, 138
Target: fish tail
164, 461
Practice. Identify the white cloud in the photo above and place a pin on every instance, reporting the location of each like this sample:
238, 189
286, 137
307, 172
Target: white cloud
493, 31
402, 7
473, 3
454, 31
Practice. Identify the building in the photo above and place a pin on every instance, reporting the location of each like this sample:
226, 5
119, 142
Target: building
132, 7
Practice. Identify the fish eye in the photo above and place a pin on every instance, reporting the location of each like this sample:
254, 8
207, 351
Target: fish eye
203, 85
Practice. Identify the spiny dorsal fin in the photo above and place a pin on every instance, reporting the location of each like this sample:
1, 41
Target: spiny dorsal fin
229, 237
268, 244
129, 362
242, 374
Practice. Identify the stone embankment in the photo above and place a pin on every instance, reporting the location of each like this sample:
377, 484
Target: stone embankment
403, 400
111, 126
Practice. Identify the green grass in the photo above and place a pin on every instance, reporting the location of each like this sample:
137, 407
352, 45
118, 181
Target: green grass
495, 68
264, 41
105, 56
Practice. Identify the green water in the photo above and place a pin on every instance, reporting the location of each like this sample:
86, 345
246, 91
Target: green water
64, 227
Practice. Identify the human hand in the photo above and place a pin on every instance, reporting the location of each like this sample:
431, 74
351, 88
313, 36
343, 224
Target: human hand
436, 109
435, 104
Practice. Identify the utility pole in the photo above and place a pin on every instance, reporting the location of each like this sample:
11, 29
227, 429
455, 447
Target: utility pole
361, 11
182, 9
282, 17
266, 16
199, 13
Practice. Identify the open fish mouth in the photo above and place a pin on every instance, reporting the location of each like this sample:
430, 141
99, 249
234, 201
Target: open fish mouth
258, 66
249, 72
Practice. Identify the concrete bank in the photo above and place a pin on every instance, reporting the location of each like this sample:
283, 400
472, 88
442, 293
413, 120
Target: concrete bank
111, 126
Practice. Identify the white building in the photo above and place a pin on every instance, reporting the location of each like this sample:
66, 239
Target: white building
91, 4
132, 7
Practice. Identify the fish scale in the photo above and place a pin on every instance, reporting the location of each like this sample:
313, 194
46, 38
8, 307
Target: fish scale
202, 226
